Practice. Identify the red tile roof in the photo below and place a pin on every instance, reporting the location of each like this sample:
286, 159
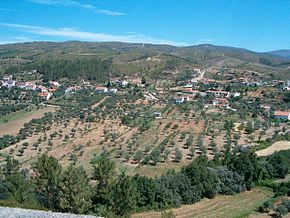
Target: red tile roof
43, 94
281, 113
52, 90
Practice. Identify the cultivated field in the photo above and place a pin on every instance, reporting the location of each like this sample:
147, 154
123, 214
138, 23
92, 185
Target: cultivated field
239, 205
12, 123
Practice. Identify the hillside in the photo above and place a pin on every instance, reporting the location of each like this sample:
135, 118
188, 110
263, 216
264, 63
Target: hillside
285, 53
141, 59
239, 205
114, 128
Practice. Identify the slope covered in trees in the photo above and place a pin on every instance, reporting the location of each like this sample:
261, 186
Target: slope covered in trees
115, 194
54, 69
130, 57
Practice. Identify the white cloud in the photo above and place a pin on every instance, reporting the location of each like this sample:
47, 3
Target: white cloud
109, 12
76, 34
70, 3
16, 39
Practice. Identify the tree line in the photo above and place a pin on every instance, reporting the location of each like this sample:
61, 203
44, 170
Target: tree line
111, 193
54, 69
279, 204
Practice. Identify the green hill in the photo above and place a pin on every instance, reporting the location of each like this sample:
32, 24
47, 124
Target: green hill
128, 58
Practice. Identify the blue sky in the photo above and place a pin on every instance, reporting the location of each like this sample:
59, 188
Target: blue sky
259, 25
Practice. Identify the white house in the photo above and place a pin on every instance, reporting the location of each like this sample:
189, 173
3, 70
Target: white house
157, 114
21, 85
72, 89
54, 84
7, 78
220, 103
113, 91
124, 83
41, 88
188, 85
235, 94
218, 94
179, 100
45, 95
265, 106
30, 86
8, 83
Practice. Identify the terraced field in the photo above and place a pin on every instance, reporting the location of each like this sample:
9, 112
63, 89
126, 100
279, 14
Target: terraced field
239, 205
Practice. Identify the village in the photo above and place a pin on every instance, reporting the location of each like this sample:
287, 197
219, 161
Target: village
215, 92
147, 129
188, 115
145, 124
144, 109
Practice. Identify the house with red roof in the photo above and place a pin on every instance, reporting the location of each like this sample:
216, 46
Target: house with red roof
44, 95
283, 115
101, 90
220, 103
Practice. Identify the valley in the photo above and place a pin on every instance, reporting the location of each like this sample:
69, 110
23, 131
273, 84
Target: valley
153, 117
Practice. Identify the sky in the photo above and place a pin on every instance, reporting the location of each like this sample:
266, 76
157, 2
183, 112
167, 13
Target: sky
258, 25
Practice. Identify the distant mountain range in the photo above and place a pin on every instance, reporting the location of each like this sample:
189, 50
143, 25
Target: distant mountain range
285, 53
133, 57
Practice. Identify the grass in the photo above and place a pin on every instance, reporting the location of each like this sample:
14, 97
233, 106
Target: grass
26, 205
286, 179
233, 206
15, 116
62, 102
12, 123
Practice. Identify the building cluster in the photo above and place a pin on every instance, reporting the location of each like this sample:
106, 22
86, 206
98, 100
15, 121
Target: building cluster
8, 82
184, 92
105, 90
44, 92
98, 89
110, 89
218, 103
72, 89
123, 83
219, 98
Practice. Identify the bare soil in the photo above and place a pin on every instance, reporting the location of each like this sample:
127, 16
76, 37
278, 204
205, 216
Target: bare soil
13, 127
277, 146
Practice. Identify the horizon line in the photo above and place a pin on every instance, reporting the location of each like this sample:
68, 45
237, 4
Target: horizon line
139, 43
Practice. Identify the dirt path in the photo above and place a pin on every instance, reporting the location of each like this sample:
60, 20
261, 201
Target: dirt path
98, 103
277, 146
